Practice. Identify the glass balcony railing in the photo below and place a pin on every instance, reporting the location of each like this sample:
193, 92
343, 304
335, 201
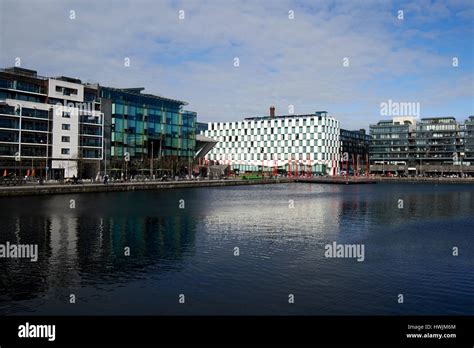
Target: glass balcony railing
28, 87
93, 154
91, 131
35, 113
4, 123
34, 126
7, 110
33, 151
84, 118
86, 141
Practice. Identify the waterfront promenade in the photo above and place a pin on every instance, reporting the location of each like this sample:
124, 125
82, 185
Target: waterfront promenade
55, 188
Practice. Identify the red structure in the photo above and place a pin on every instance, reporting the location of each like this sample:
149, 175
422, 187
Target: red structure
367, 165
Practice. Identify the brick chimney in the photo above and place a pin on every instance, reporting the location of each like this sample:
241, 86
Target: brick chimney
272, 111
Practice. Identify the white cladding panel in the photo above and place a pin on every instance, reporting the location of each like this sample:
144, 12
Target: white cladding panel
65, 90
276, 142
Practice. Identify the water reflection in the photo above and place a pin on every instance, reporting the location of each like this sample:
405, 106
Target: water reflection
80, 248
281, 231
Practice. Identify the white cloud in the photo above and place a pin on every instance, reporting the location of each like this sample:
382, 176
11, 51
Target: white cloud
282, 61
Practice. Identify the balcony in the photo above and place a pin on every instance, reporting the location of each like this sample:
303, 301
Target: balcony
91, 130
90, 119
44, 114
91, 142
7, 110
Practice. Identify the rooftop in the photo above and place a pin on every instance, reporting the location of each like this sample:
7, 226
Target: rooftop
23, 72
450, 118
269, 117
137, 91
68, 79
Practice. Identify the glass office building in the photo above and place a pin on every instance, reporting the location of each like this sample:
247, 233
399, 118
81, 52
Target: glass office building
146, 125
438, 140
469, 140
356, 144
431, 146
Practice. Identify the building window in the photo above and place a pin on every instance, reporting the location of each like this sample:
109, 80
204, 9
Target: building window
66, 126
69, 91
65, 151
66, 114
65, 139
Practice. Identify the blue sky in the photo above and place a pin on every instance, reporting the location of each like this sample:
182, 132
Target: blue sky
283, 61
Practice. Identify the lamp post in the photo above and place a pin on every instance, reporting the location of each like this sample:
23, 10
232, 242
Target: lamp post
18, 157
383, 164
421, 164
151, 163
421, 161
46, 168
161, 142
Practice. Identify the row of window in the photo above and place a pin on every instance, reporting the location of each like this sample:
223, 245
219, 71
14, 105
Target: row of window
23, 86
66, 91
119, 151
288, 149
274, 143
275, 156
332, 123
231, 141
272, 130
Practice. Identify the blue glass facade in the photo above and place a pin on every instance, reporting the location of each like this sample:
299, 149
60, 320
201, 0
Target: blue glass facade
140, 122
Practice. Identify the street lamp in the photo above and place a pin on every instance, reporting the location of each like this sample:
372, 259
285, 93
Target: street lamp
151, 163
421, 161
383, 164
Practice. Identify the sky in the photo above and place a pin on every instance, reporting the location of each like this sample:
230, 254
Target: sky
345, 57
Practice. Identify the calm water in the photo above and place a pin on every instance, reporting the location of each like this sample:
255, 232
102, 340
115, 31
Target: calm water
191, 251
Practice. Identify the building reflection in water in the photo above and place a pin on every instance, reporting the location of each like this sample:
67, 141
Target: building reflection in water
78, 248
281, 230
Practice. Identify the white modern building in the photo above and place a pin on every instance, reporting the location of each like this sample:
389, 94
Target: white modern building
292, 143
77, 131
49, 127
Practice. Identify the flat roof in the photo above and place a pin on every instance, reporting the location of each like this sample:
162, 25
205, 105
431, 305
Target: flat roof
438, 118
268, 117
137, 91
23, 72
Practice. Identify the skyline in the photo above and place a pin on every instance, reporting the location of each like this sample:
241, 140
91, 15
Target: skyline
282, 61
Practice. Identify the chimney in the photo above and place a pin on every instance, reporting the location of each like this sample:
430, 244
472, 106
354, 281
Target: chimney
272, 111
